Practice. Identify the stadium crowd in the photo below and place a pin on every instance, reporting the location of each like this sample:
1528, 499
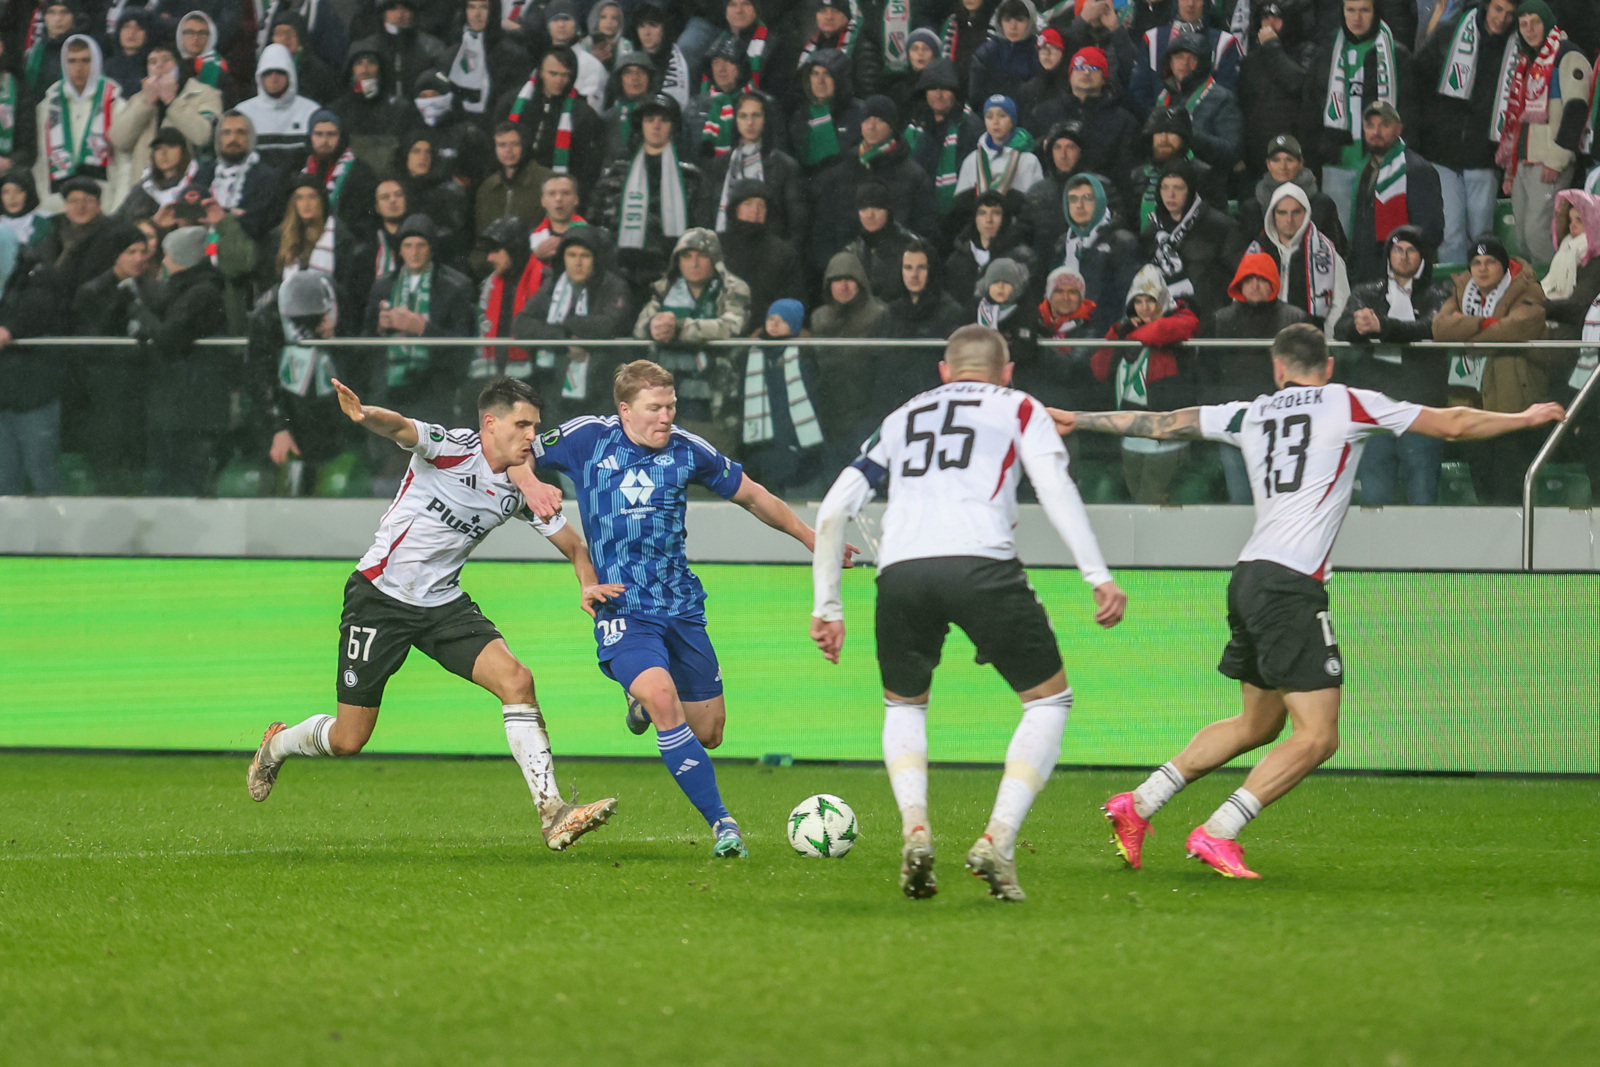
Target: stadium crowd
562, 171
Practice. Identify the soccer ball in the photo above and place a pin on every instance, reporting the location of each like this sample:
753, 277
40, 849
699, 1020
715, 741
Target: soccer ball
822, 826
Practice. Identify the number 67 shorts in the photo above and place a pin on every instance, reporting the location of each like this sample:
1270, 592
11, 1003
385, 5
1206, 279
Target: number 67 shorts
377, 631
1282, 637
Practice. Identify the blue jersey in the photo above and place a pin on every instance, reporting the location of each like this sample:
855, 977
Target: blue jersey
634, 502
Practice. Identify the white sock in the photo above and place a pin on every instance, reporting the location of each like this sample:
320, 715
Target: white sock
1235, 813
530, 747
1160, 787
1031, 756
309, 738
905, 754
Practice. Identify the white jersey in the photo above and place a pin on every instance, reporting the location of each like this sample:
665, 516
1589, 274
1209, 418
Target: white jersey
1302, 445
447, 504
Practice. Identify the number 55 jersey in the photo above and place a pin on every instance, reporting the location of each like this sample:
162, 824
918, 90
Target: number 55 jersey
1302, 445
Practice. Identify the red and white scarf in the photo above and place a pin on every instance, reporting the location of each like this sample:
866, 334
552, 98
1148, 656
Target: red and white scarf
1391, 209
334, 182
1524, 95
491, 303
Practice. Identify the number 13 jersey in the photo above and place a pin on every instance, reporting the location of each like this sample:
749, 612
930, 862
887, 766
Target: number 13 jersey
1301, 445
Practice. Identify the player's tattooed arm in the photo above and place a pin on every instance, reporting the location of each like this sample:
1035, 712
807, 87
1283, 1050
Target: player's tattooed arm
381, 421
1180, 425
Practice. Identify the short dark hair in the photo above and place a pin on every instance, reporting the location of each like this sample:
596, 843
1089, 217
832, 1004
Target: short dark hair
917, 244
507, 126
1301, 346
503, 394
168, 48
990, 198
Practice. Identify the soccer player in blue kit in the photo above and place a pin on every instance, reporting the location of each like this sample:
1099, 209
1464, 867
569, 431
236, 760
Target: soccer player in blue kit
633, 471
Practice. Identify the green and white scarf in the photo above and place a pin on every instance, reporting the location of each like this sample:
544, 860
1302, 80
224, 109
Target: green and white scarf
1466, 371
822, 140
1461, 59
1007, 158
1132, 383
758, 427
896, 35
8, 113
566, 300
412, 292
1342, 107
948, 170
636, 200
68, 153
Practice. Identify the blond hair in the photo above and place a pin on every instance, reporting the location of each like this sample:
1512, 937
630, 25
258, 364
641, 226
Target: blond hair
640, 374
977, 348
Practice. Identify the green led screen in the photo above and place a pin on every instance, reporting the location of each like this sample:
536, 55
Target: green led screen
1448, 672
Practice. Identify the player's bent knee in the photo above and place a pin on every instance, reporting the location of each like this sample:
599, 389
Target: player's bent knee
710, 736
341, 746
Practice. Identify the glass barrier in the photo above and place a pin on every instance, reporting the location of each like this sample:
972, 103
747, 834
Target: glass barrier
225, 422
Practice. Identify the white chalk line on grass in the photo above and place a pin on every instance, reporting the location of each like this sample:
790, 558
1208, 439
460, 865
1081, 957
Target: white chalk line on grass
307, 850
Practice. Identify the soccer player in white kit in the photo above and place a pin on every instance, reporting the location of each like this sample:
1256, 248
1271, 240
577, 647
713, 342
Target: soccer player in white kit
406, 594
1302, 445
951, 459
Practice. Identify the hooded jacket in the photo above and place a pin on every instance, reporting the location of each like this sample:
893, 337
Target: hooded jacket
769, 264
1213, 109
1110, 132
789, 195
282, 124
844, 400
1004, 66
1312, 274
118, 175
1218, 50
1106, 255
318, 78
193, 113
406, 56
1324, 214
373, 123
865, 60
188, 387
1243, 374
700, 373
1384, 362
962, 268
1165, 382
439, 197
846, 110
507, 62
1512, 378
910, 195
1272, 81
452, 312
1209, 249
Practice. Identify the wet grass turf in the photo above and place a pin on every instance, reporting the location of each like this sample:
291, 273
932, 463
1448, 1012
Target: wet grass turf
405, 911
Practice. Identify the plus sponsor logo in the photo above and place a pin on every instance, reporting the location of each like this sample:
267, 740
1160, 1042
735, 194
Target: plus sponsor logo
472, 526
637, 488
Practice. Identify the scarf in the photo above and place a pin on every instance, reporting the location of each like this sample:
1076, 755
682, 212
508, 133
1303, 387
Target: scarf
846, 43
334, 182
434, 108
412, 292
8, 113
562, 159
22, 225
209, 69
383, 261
1193, 100
1019, 142
1524, 96
719, 125
1390, 209
948, 169
33, 64
1063, 325
1078, 238
636, 200
1399, 308
896, 35
822, 140
1460, 71
87, 151
322, 253
758, 427
1466, 371
491, 308
1239, 24
743, 163
1305, 272
161, 196
1588, 358
302, 366
227, 181
755, 52
1151, 200
1168, 258
867, 155
1345, 100
567, 300
681, 302
1132, 381
991, 314
470, 72
1562, 277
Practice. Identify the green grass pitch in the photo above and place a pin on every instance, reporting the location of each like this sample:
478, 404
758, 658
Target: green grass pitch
387, 911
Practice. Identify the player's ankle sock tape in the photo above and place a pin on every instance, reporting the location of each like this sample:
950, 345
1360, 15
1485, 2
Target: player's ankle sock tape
691, 768
905, 755
1153, 793
309, 738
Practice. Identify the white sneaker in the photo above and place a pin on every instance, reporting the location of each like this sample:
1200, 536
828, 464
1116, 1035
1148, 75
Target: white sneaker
264, 769
985, 861
916, 865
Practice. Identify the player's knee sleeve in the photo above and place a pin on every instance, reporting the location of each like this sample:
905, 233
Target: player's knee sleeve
1036, 745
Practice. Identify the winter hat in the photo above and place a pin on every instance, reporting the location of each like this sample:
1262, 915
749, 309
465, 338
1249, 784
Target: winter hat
186, 246
1068, 131
1285, 143
507, 232
873, 194
1052, 37
1085, 58
1003, 270
1004, 103
941, 74
124, 235
1540, 8
1014, 9
1064, 277
306, 292
436, 81
1490, 245
323, 114
881, 107
557, 10
418, 226
1254, 265
1382, 108
1170, 120
927, 37
838, 5
658, 104
791, 311
649, 14
747, 189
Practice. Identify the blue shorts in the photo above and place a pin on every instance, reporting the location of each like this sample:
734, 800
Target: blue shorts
631, 645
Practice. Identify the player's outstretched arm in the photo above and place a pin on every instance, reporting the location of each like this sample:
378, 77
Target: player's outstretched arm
381, 421
759, 501
850, 491
1471, 424
571, 545
1180, 425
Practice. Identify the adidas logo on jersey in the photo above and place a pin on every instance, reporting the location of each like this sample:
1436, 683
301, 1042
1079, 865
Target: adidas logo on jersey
609, 464
637, 487
686, 765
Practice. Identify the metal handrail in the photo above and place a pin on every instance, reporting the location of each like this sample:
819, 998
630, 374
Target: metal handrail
1529, 479
746, 342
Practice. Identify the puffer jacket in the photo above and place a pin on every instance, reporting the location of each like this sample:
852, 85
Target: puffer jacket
844, 393
1168, 378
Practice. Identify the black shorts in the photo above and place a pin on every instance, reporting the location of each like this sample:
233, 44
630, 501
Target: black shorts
992, 602
377, 631
1282, 636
